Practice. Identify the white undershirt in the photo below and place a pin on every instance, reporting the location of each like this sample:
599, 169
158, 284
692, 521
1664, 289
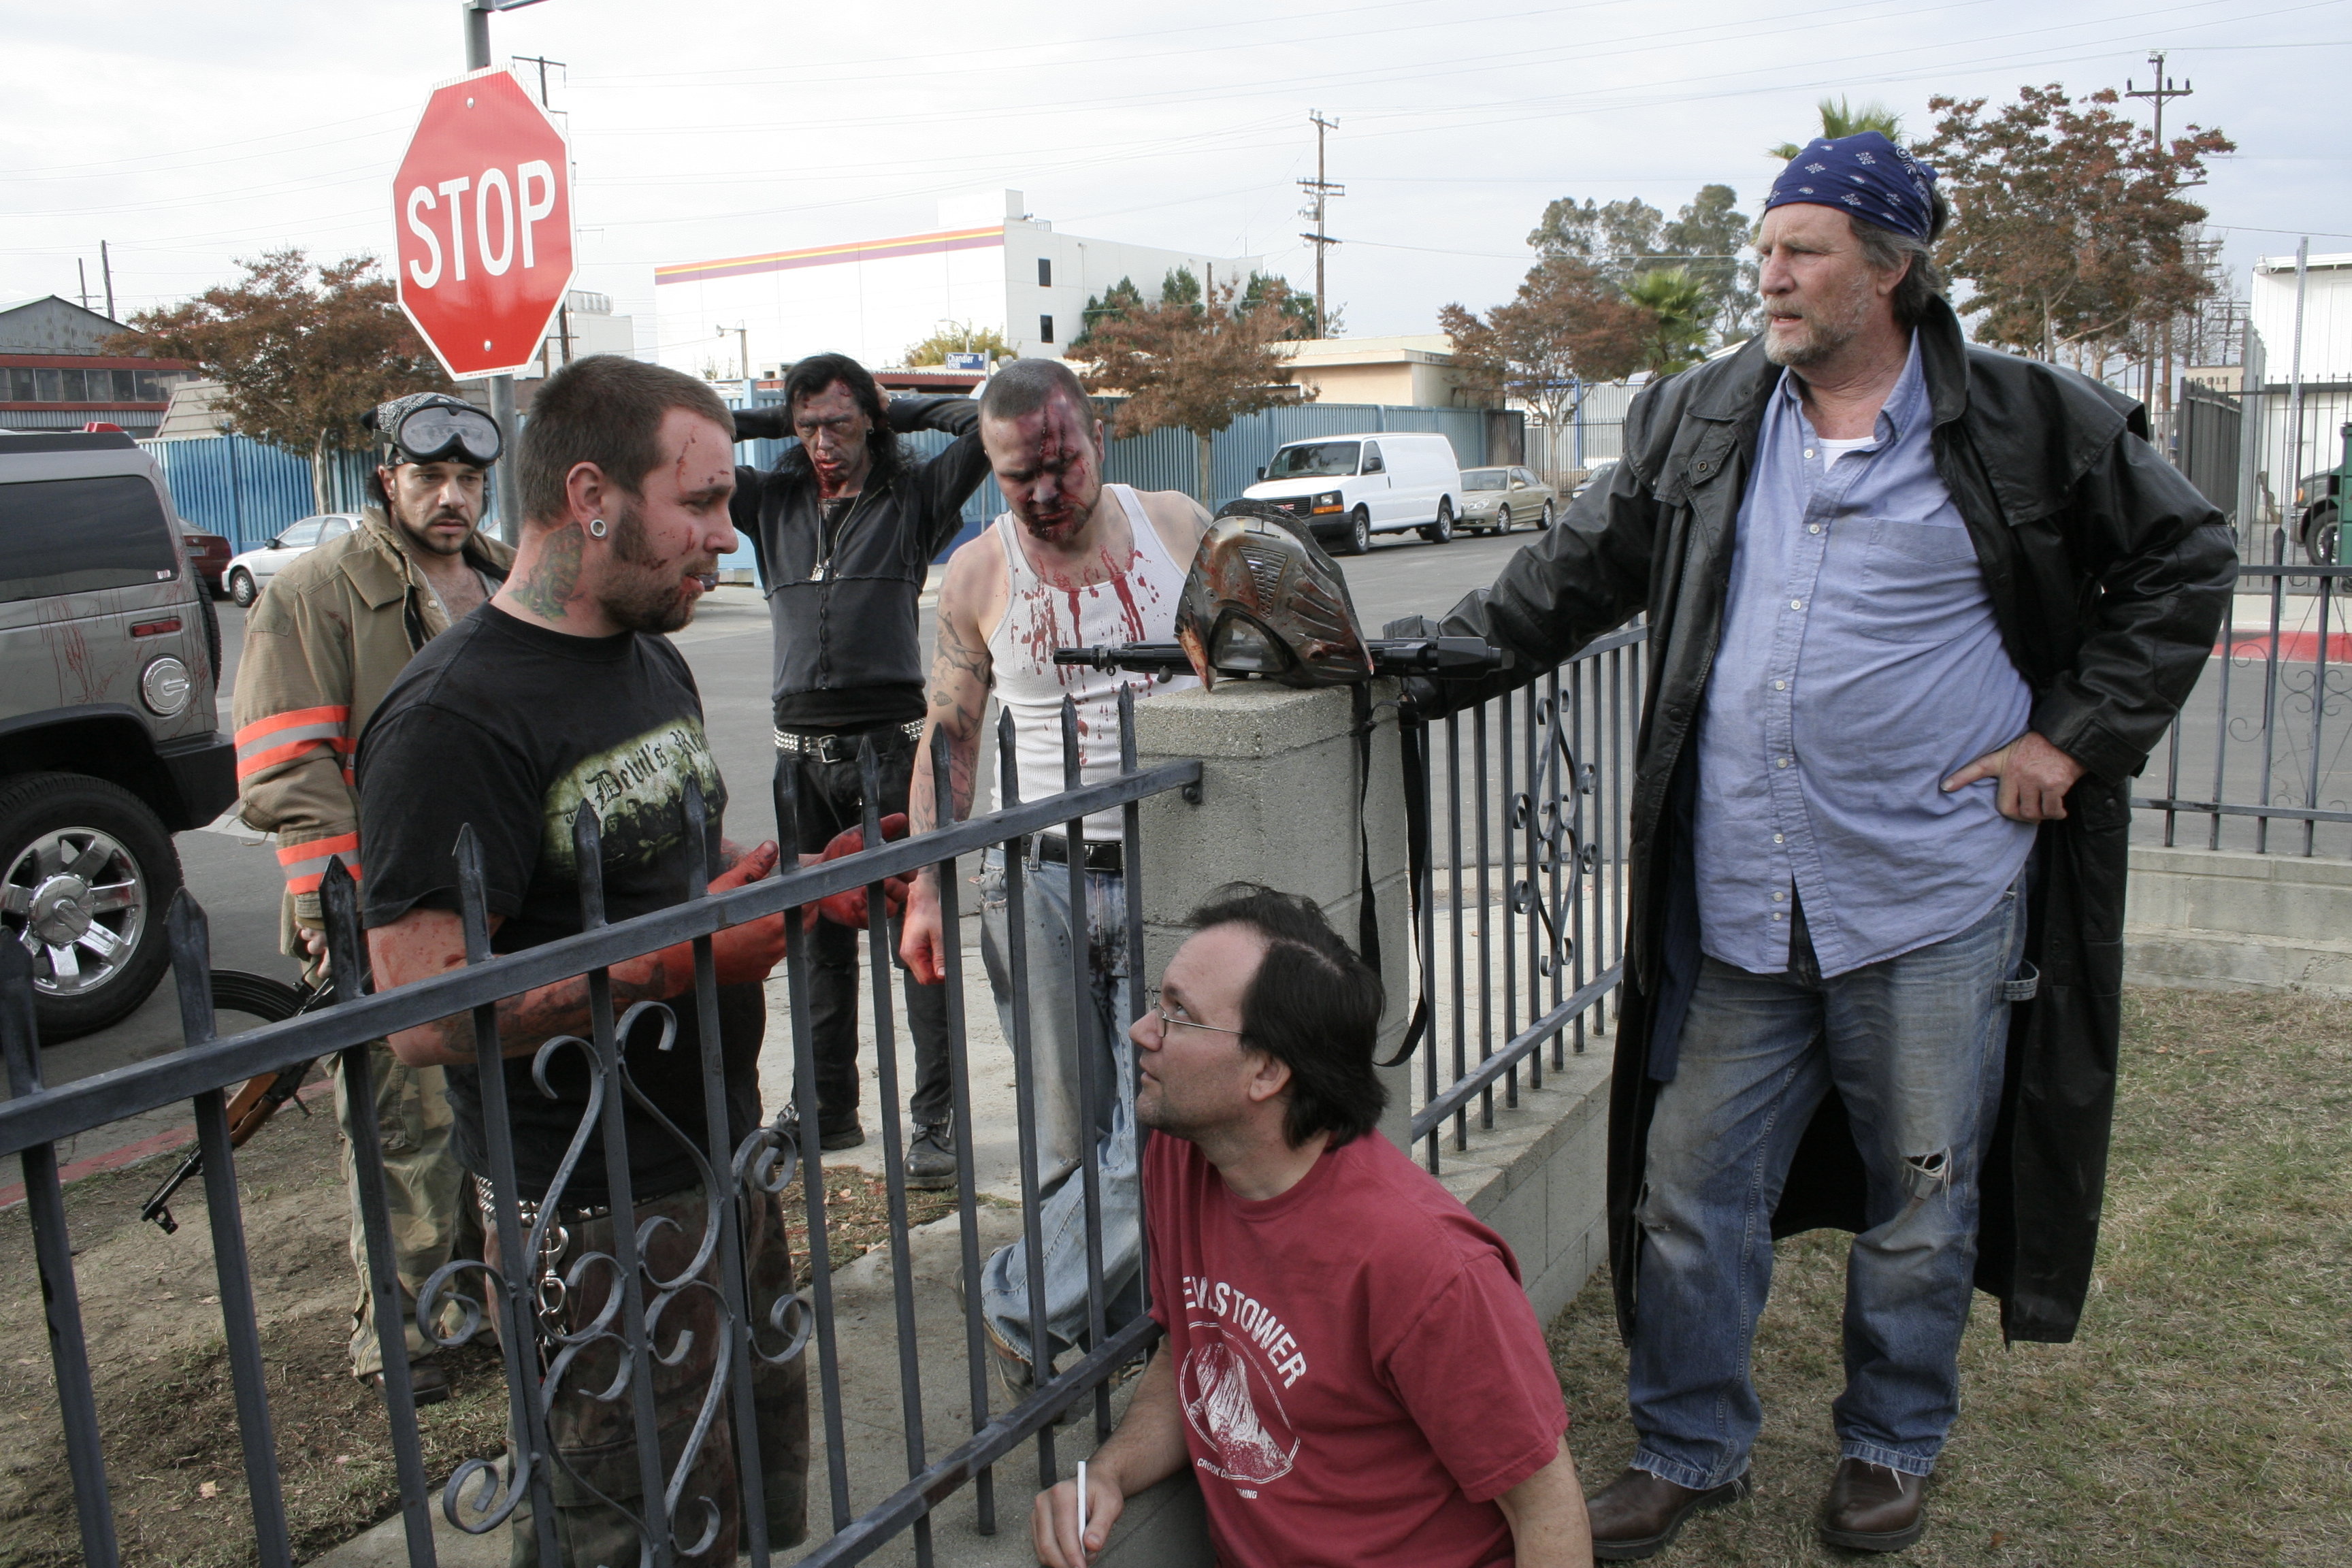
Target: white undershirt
1832, 450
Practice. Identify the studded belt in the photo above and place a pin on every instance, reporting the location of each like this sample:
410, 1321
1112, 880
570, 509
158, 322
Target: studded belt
842, 746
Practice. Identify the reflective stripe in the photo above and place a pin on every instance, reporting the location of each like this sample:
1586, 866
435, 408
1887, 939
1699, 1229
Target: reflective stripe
310, 719
306, 863
261, 762
287, 737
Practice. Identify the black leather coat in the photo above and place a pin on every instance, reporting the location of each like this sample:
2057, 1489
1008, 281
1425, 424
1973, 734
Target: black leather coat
2108, 575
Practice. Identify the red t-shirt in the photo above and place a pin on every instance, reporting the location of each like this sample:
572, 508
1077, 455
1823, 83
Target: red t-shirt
1360, 1370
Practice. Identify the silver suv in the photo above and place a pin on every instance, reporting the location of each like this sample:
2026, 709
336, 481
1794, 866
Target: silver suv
110, 656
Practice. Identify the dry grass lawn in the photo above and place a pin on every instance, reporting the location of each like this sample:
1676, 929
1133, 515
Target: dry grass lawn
2203, 1415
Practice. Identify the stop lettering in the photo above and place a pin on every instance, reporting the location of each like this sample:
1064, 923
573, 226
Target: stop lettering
482, 215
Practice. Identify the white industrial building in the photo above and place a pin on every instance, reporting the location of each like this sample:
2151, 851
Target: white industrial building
989, 263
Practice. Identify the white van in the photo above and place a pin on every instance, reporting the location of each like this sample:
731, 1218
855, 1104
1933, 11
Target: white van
1350, 487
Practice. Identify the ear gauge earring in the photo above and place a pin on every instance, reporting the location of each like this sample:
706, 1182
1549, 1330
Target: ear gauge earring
595, 528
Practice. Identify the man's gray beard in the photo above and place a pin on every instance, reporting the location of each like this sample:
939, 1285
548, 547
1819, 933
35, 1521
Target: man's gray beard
1818, 345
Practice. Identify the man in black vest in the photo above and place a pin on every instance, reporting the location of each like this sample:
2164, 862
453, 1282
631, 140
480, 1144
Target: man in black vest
846, 529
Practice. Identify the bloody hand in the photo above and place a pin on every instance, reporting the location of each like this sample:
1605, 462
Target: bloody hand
849, 909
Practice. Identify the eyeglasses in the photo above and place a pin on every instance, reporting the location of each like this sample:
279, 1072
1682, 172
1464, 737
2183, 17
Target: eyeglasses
1169, 1020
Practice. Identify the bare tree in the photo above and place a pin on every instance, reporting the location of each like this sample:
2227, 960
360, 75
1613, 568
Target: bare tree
299, 360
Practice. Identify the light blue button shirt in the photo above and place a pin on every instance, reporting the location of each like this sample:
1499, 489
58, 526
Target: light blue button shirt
1859, 667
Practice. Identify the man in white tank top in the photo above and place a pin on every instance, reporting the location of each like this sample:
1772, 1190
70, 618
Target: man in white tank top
1075, 562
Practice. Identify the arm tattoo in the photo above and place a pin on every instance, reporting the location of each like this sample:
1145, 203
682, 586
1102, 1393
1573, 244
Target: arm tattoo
961, 674
554, 574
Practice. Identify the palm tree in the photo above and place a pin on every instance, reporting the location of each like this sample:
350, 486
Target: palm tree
1677, 302
1840, 119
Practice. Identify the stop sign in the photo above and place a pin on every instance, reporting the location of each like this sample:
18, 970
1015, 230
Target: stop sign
482, 208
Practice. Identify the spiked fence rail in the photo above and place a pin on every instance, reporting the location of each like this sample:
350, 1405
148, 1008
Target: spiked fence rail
481, 1495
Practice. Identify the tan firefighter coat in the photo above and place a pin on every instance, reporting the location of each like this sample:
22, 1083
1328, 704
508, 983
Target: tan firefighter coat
322, 645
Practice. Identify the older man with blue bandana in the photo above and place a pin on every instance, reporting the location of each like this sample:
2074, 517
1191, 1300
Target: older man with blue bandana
1917, 613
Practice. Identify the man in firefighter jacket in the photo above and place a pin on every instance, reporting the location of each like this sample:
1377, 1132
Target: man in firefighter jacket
321, 646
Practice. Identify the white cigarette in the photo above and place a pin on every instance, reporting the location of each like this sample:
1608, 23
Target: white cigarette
1082, 1507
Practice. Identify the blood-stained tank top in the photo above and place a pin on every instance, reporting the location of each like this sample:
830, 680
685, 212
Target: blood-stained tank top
1137, 604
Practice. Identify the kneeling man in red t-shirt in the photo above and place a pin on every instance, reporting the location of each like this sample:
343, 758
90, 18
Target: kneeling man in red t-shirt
1351, 1369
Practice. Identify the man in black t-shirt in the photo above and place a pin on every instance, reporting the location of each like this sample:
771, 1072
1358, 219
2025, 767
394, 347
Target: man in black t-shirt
559, 691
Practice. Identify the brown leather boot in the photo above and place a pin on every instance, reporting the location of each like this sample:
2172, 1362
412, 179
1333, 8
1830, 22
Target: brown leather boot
427, 1383
1873, 1508
1638, 1514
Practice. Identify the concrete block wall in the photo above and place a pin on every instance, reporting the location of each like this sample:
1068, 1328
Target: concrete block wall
2228, 920
1280, 782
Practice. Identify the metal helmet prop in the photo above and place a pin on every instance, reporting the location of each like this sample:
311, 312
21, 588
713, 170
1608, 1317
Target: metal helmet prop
1263, 599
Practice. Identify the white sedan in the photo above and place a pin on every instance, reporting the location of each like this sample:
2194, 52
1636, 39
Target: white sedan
249, 573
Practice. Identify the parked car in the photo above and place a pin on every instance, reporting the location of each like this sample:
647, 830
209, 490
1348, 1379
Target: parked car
208, 554
1601, 475
110, 657
1496, 500
2318, 505
250, 573
1353, 487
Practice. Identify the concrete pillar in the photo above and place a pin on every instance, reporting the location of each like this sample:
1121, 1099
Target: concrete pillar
1281, 780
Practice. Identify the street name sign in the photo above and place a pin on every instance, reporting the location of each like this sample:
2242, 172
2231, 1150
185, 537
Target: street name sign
482, 216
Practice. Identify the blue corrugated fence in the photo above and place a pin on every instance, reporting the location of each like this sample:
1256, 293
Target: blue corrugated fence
246, 491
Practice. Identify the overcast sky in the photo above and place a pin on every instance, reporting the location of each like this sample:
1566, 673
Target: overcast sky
190, 134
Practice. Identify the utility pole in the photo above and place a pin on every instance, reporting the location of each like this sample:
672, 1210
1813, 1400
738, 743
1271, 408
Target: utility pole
2157, 95
505, 477
82, 270
1320, 191
542, 62
106, 271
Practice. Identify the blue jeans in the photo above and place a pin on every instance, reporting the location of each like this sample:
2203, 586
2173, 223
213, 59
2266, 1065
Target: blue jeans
1058, 981
1916, 1046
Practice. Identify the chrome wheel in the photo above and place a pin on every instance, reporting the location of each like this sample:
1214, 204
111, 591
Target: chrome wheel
77, 900
1503, 519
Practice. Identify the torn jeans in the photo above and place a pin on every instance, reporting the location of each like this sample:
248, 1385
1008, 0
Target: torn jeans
1915, 1046
1063, 988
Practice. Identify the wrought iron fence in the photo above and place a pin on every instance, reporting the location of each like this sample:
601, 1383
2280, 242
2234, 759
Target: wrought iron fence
645, 1305
1522, 894
2262, 740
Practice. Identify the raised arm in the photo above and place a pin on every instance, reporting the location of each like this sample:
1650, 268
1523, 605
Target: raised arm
947, 481
961, 674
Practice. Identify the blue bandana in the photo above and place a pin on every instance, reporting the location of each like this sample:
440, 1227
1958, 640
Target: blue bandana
1867, 175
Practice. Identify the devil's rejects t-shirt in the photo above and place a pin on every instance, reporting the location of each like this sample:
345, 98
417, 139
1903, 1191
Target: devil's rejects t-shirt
510, 727
1358, 1368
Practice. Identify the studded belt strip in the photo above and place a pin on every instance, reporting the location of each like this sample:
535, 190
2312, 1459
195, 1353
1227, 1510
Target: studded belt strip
843, 747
